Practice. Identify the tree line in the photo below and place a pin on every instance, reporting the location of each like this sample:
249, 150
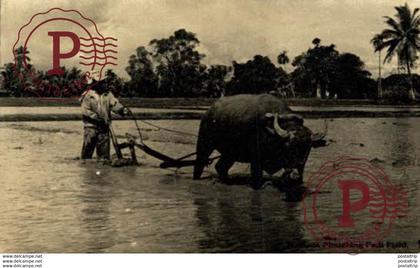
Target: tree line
173, 67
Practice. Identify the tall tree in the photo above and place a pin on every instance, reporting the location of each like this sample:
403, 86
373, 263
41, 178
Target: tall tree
143, 77
256, 76
215, 80
178, 64
377, 42
282, 58
317, 65
114, 82
401, 38
350, 79
316, 42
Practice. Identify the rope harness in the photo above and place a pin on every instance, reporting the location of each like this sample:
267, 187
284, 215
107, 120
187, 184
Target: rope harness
167, 160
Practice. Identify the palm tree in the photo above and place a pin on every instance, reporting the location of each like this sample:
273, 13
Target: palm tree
402, 39
377, 42
22, 58
282, 58
316, 42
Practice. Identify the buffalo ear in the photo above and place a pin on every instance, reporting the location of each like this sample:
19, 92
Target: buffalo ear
318, 139
319, 143
292, 118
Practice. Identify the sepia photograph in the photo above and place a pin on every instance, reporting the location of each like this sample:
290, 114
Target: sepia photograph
196, 126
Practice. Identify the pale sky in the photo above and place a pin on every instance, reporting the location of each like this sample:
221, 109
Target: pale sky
228, 30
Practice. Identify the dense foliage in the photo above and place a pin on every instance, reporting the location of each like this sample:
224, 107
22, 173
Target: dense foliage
173, 67
401, 39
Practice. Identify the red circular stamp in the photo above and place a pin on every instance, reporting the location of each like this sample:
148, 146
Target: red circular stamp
351, 204
59, 51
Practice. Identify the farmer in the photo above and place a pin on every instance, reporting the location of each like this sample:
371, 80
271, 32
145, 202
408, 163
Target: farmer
97, 104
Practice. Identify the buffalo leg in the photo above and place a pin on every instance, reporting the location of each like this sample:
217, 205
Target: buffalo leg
301, 168
256, 163
257, 174
204, 150
223, 166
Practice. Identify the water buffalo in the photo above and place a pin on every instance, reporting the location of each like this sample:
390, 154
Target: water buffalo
257, 129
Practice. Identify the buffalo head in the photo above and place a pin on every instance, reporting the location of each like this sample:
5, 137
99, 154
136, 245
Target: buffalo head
292, 146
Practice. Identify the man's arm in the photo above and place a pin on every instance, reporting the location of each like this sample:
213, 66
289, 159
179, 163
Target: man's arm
116, 106
88, 114
86, 110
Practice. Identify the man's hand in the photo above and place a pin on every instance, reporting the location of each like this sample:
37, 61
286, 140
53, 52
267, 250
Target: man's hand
101, 122
126, 111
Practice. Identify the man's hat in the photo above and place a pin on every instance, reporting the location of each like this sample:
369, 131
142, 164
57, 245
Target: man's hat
97, 85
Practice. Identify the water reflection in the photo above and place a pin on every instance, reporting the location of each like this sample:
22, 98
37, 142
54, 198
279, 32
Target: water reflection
52, 204
254, 223
401, 150
96, 197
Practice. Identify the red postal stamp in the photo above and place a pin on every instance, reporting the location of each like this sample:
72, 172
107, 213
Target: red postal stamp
58, 38
352, 205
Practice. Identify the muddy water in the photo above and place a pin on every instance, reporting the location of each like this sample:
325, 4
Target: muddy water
53, 203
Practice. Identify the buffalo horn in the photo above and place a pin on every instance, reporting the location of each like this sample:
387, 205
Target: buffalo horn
281, 132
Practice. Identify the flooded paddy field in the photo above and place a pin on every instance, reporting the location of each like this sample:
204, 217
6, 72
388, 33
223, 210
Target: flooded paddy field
51, 202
